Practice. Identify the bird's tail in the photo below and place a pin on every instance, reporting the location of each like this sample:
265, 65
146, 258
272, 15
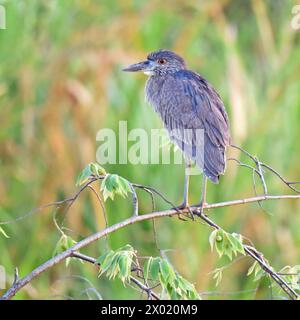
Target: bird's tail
208, 157
214, 161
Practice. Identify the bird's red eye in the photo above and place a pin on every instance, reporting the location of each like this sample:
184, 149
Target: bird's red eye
161, 61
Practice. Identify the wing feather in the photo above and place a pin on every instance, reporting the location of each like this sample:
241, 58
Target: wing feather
192, 103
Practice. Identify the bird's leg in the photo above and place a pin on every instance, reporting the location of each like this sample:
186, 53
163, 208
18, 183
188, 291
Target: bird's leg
203, 195
185, 203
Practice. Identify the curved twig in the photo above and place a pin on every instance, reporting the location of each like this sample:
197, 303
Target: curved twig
259, 166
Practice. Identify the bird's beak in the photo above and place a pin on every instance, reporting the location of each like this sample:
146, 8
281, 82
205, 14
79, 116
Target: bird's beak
145, 66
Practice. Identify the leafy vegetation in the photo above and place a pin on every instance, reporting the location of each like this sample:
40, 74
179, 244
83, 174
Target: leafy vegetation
119, 264
228, 244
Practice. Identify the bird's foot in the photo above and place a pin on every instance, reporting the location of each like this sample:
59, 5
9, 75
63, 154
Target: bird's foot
185, 206
200, 208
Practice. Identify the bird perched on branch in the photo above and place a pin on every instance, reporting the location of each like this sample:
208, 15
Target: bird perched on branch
192, 112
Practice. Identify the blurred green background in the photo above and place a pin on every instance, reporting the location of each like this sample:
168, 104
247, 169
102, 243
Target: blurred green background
61, 81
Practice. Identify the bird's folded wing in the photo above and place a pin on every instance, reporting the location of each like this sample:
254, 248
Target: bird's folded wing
192, 108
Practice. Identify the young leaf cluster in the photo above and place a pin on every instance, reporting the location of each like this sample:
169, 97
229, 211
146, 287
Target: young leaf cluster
91, 170
117, 263
111, 185
64, 243
114, 184
173, 284
225, 243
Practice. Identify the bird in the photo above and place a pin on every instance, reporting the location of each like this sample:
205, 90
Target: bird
188, 105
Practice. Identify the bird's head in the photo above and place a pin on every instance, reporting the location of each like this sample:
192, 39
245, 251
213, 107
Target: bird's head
159, 63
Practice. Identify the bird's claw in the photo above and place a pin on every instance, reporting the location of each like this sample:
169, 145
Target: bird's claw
180, 217
200, 208
185, 206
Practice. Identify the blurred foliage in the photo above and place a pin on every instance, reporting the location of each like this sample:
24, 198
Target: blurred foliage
61, 81
119, 264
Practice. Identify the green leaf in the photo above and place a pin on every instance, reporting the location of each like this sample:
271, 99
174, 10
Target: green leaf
212, 239
260, 273
84, 175
228, 250
162, 281
226, 243
106, 261
236, 242
68, 261
172, 274
101, 259
165, 269
113, 184
70, 242
220, 242
92, 169
3, 232
193, 295
97, 170
185, 285
125, 263
114, 269
187, 289
174, 295
178, 286
117, 263
124, 186
154, 269
64, 243
172, 283
218, 275
147, 267
127, 247
251, 269
123, 267
257, 271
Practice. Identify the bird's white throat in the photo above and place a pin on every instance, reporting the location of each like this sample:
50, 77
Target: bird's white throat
149, 72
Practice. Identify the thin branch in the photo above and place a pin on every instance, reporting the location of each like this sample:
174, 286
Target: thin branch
49, 205
132, 220
134, 201
259, 165
83, 279
155, 236
256, 193
16, 275
153, 190
259, 171
103, 211
288, 183
256, 255
101, 204
252, 252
